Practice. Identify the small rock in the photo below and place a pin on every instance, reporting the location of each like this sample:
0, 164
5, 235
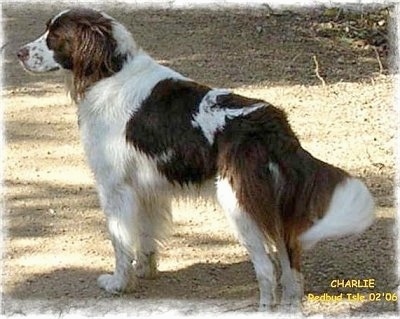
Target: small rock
340, 60
381, 22
331, 12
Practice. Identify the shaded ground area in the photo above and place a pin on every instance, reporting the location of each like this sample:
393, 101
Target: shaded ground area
57, 241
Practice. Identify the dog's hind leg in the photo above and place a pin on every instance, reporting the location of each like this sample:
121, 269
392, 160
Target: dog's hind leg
154, 226
292, 289
295, 252
249, 234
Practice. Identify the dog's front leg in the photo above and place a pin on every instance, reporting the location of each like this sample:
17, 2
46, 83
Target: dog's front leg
119, 205
154, 226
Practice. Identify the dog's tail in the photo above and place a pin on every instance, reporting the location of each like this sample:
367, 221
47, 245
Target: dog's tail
333, 203
350, 211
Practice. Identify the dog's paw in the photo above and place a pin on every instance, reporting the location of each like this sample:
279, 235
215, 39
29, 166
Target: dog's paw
291, 297
266, 307
114, 284
147, 267
146, 272
294, 306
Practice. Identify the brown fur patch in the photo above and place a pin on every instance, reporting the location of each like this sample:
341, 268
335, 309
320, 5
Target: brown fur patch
245, 149
164, 123
283, 201
83, 43
236, 101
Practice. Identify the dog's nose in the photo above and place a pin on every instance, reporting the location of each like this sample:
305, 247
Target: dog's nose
23, 54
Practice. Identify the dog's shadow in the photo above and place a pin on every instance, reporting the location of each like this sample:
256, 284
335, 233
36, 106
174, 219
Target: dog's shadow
200, 280
227, 287
235, 282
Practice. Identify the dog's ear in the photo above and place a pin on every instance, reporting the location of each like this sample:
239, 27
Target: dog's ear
93, 57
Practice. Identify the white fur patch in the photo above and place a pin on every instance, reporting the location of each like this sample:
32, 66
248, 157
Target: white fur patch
125, 42
59, 15
166, 156
41, 58
212, 118
275, 172
251, 237
351, 211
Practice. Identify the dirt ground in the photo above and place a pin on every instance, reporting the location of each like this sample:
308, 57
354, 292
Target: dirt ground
57, 244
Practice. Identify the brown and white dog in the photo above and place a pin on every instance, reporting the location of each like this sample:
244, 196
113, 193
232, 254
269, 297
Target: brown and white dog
150, 133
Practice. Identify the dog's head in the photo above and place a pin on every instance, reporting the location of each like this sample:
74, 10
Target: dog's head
89, 43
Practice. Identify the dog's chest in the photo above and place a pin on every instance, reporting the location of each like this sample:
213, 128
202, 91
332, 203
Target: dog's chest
104, 144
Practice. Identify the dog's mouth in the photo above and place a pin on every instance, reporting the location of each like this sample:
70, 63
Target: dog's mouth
33, 71
56, 68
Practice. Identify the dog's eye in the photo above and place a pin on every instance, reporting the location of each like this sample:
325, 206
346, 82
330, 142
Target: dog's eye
50, 38
53, 40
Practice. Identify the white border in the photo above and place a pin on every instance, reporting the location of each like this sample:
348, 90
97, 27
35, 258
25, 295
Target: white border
164, 310
2, 155
274, 4
396, 101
